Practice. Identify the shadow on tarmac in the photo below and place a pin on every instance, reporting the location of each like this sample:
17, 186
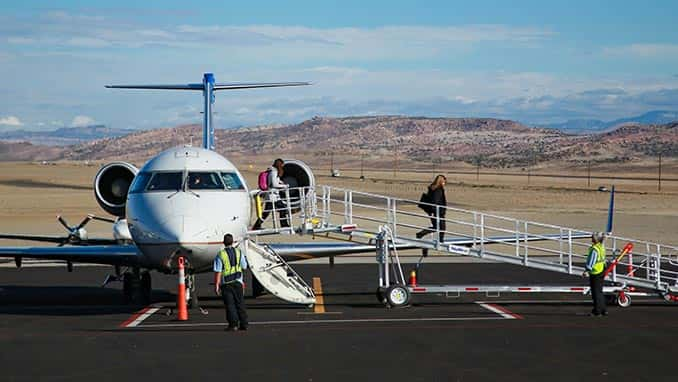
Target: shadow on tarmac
69, 301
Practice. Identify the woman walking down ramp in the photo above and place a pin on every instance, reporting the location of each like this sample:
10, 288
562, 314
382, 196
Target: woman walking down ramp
436, 196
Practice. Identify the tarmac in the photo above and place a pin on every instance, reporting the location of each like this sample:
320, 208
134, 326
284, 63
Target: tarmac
56, 325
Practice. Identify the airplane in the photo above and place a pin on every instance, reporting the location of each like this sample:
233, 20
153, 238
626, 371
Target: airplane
180, 203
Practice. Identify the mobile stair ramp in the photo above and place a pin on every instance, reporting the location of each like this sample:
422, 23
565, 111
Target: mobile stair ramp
327, 210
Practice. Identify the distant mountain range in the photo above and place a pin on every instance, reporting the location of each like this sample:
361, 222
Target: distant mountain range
414, 141
65, 136
583, 126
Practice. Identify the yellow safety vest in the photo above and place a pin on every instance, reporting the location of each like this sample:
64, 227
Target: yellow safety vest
599, 264
230, 272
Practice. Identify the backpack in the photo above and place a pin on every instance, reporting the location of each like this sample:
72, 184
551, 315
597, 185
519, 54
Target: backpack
263, 180
426, 198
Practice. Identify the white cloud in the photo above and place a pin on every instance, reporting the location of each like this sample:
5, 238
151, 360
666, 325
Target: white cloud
82, 120
11, 121
62, 29
18, 40
88, 42
643, 50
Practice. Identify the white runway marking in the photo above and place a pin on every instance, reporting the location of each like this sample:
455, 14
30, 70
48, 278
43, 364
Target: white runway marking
140, 316
345, 321
500, 311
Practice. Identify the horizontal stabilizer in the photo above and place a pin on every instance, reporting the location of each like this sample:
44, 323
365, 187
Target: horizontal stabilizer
232, 86
159, 87
258, 85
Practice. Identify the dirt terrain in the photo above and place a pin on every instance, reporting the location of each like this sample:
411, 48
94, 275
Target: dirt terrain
32, 195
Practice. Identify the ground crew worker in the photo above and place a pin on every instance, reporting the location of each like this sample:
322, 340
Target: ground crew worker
595, 268
228, 282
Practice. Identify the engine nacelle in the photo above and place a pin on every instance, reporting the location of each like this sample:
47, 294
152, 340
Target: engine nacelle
297, 174
111, 185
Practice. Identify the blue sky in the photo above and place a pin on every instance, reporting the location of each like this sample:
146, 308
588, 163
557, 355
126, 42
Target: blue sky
532, 61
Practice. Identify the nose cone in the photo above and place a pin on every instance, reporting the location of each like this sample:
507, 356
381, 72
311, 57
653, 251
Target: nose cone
185, 231
175, 230
172, 230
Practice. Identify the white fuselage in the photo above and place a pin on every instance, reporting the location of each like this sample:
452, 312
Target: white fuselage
167, 219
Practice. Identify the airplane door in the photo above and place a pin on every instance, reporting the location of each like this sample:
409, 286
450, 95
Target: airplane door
297, 174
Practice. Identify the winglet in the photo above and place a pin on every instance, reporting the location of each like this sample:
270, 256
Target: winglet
610, 213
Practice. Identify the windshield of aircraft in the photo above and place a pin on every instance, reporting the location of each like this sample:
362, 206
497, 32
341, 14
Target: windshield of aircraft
204, 181
165, 181
232, 181
139, 183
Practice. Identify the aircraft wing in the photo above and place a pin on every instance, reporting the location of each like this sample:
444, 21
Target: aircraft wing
125, 255
57, 239
303, 251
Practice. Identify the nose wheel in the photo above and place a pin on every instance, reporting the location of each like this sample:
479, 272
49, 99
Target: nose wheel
136, 287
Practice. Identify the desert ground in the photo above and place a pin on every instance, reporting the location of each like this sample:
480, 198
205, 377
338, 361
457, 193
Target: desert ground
33, 194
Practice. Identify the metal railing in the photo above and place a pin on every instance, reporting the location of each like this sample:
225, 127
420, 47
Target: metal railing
471, 233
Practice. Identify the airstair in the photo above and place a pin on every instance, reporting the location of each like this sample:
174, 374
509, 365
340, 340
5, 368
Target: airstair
276, 275
392, 223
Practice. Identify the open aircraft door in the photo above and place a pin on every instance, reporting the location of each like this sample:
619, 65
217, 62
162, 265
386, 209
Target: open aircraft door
297, 174
276, 275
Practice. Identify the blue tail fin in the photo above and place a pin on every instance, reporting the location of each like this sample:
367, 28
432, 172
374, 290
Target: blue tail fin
610, 212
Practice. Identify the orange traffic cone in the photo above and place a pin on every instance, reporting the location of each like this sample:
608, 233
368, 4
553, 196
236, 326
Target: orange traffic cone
182, 311
413, 278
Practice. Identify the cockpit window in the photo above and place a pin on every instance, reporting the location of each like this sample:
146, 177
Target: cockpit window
139, 183
232, 181
166, 181
204, 181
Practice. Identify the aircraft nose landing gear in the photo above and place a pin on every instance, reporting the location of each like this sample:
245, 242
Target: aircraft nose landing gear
136, 287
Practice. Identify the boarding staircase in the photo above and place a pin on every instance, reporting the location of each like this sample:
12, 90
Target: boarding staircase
356, 215
274, 274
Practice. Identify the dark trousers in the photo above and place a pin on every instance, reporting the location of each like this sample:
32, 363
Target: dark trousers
434, 223
281, 209
233, 297
596, 283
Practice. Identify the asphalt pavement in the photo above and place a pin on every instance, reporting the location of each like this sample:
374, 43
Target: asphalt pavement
56, 325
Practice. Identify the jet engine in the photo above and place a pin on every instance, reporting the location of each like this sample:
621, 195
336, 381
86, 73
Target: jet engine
297, 174
111, 185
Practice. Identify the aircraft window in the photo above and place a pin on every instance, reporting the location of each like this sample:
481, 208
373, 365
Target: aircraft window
204, 181
232, 181
139, 183
166, 181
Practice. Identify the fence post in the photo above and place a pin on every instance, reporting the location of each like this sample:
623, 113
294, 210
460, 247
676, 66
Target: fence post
346, 193
569, 250
525, 237
438, 225
482, 234
289, 210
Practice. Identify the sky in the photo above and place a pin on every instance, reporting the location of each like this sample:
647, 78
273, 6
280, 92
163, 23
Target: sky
536, 62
